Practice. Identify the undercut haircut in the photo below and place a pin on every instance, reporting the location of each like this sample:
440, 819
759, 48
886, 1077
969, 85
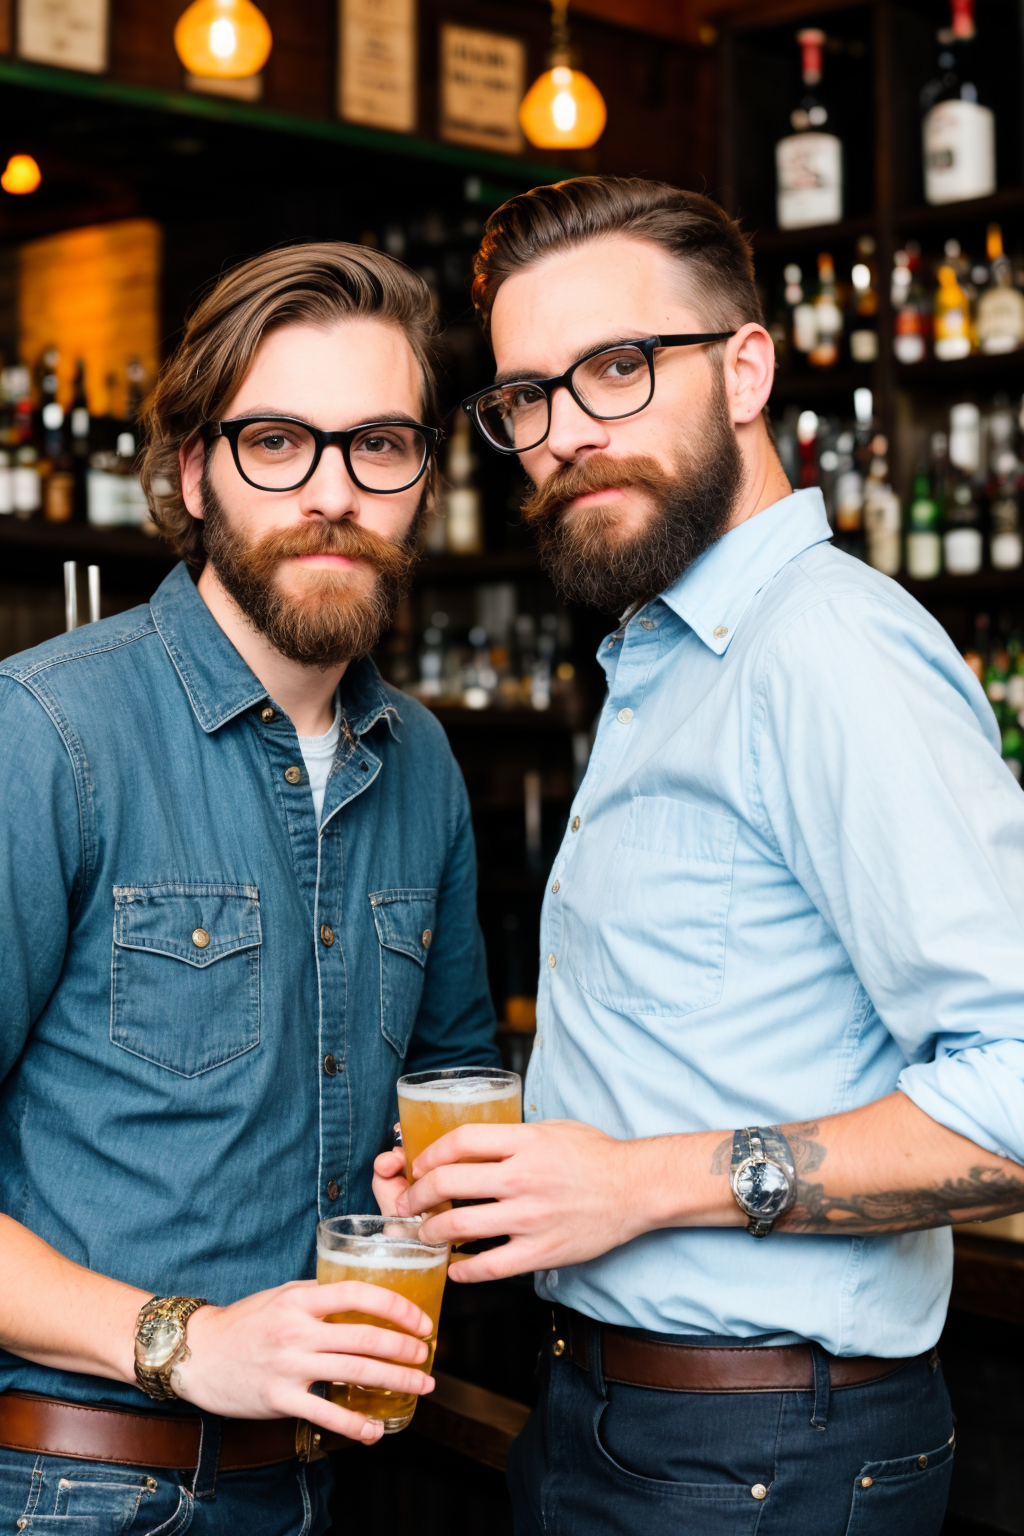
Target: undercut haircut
716, 264
313, 284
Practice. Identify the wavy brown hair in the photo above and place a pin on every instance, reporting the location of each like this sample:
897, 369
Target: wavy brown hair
713, 252
313, 284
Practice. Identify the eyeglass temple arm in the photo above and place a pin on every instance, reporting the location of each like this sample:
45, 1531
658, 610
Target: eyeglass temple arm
695, 339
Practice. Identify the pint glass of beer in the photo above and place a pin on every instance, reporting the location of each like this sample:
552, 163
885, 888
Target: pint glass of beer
385, 1251
431, 1103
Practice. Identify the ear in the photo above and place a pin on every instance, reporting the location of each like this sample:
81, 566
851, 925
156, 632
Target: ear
749, 372
191, 462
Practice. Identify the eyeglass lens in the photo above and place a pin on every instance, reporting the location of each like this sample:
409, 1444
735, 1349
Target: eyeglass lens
276, 455
612, 384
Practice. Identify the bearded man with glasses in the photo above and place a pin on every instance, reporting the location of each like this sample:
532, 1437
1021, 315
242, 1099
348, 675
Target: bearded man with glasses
239, 899
782, 963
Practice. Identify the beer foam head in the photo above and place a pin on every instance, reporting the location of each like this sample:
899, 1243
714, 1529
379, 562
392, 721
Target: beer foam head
459, 1090
378, 1257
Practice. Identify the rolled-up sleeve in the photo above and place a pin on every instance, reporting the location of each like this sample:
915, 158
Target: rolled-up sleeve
882, 787
41, 862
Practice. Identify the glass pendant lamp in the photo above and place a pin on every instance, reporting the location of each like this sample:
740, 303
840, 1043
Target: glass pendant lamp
223, 39
563, 109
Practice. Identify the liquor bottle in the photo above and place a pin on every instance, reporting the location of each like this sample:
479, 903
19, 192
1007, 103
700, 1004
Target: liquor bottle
114, 490
959, 137
1000, 309
952, 317
81, 433
464, 529
804, 324
809, 161
911, 311
828, 317
977, 655
864, 304
962, 542
924, 539
1005, 482
59, 483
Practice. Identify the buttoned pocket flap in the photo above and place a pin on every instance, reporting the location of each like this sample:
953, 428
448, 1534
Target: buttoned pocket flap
405, 921
195, 923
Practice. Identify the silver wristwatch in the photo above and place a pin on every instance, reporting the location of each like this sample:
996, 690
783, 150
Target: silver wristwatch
762, 1177
160, 1342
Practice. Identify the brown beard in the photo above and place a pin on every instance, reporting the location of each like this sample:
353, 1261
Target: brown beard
692, 507
330, 623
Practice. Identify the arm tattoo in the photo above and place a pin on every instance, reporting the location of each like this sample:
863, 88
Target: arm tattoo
979, 1193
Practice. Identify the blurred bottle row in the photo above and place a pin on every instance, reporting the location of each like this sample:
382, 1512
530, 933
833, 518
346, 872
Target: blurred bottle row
62, 463
505, 659
996, 657
946, 308
963, 507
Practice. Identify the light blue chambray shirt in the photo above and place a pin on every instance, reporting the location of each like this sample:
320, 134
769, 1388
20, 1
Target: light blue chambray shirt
793, 880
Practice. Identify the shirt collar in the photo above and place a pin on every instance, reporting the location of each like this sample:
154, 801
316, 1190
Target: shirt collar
218, 682
715, 592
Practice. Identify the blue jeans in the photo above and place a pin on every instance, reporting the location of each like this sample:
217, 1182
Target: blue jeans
66, 1497
600, 1459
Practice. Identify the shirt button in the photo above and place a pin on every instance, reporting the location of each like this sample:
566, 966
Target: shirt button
331, 1068
759, 1491
266, 715
332, 1191
625, 716
293, 775
721, 630
551, 961
646, 623
425, 938
200, 938
327, 934
556, 887
533, 1109
575, 824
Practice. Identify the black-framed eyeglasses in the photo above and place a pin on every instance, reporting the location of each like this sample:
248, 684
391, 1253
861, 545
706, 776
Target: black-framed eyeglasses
280, 453
609, 383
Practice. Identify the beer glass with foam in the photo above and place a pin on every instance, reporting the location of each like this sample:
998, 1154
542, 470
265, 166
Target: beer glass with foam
431, 1103
385, 1251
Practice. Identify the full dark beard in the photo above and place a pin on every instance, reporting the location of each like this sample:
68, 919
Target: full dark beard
331, 623
692, 508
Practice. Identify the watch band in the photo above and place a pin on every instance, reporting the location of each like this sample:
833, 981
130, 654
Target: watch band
156, 1383
762, 1144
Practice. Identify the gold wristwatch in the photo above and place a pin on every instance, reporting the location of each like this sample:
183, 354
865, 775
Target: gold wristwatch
160, 1342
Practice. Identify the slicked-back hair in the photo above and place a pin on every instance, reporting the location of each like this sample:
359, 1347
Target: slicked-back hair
717, 268
313, 284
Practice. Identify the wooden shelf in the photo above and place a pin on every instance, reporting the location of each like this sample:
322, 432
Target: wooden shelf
967, 589
947, 216
80, 541
454, 717
817, 237
982, 371
823, 383
501, 565
470, 1419
988, 1277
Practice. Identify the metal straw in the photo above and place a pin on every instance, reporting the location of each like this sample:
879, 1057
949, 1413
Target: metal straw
94, 594
70, 595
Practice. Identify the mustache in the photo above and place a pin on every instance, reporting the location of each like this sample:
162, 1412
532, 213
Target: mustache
355, 542
599, 472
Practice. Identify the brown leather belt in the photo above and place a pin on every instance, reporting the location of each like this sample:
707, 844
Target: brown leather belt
635, 1360
88, 1432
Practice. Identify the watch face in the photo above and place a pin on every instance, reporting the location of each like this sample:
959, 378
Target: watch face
156, 1342
762, 1188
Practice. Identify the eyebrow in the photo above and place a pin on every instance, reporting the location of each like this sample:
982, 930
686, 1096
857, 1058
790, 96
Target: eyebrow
525, 375
265, 412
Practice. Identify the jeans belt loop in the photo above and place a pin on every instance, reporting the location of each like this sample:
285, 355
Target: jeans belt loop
204, 1484
594, 1332
822, 1387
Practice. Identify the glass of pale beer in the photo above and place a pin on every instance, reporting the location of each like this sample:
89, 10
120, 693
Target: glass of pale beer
385, 1251
431, 1103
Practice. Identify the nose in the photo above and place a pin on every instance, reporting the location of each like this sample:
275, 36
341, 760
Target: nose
572, 431
330, 491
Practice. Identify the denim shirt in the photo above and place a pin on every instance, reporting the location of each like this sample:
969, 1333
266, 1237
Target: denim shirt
205, 1001
792, 882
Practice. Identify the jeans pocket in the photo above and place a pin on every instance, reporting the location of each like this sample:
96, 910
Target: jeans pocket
907, 1496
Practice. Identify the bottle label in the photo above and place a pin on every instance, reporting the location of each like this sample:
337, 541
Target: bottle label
6, 490
959, 151
27, 488
1001, 320
924, 555
1007, 551
864, 346
809, 178
963, 551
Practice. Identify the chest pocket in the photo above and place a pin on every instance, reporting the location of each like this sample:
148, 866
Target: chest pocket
657, 946
405, 929
185, 974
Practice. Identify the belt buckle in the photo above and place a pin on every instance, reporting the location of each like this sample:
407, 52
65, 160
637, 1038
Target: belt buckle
308, 1441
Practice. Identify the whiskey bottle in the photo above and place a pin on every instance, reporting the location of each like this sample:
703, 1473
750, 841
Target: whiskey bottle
809, 161
1000, 309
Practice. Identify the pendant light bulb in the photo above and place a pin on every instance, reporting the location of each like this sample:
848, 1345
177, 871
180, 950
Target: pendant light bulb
563, 109
223, 39
21, 175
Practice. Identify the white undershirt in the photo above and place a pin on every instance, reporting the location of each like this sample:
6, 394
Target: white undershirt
318, 756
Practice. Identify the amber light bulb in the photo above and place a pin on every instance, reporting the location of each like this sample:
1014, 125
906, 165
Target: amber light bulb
563, 109
22, 174
223, 39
